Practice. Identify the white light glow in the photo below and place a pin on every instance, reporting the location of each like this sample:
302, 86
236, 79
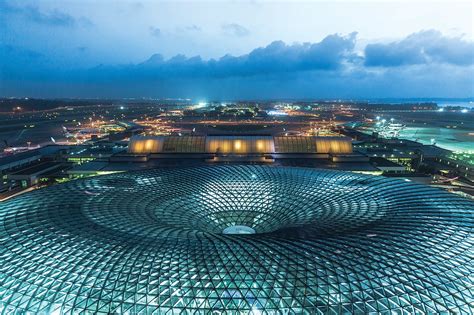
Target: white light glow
277, 113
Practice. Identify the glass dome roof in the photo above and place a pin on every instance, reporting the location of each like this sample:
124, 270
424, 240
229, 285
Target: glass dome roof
236, 239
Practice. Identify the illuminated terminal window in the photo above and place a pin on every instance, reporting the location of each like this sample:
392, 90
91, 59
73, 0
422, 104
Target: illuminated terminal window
335, 145
239, 145
142, 145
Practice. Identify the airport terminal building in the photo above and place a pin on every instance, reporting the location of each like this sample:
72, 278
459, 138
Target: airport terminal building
240, 145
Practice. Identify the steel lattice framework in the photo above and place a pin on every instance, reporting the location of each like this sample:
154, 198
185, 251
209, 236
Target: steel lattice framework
152, 242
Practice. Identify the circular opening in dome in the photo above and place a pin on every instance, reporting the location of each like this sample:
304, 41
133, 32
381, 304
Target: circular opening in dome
238, 229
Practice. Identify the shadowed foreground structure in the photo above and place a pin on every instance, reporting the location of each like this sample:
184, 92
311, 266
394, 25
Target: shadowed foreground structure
233, 239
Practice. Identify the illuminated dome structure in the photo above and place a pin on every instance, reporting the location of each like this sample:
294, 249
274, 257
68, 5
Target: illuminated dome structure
236, 239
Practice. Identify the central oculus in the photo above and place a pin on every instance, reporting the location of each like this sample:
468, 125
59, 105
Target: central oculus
238, 229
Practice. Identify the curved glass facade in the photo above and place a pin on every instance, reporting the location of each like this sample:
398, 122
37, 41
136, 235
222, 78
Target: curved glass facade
236, 239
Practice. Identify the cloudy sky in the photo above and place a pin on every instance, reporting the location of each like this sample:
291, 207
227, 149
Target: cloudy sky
236, 49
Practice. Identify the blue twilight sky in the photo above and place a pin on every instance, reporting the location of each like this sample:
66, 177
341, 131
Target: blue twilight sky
236, 49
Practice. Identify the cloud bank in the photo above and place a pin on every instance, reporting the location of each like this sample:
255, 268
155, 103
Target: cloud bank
421, 48
277, 57
424, 64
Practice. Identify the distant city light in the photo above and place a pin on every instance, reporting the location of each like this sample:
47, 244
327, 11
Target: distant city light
277, 113
122, 108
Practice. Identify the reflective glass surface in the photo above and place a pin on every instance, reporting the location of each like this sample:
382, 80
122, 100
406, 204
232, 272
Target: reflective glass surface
156, 242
